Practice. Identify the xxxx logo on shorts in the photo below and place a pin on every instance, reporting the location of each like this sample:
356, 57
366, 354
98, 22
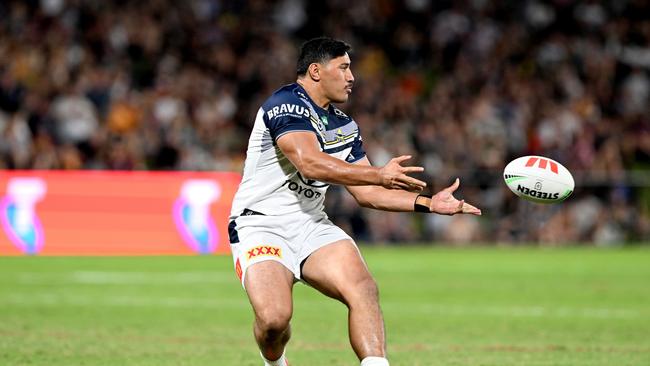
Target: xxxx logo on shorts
264, 250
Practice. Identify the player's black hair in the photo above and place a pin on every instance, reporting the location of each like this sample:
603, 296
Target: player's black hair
320, 50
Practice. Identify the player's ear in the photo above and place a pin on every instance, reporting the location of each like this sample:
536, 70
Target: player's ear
314, 71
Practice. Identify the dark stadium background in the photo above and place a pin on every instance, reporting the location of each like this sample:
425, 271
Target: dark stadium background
116, 105
465, 86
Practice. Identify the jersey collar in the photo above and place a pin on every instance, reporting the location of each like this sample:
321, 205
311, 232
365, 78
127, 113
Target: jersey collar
330, 108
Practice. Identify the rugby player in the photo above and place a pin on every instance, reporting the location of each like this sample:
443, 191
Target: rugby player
279, 233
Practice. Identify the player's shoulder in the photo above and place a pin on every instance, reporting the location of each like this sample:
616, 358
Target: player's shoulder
288, 100
291, 93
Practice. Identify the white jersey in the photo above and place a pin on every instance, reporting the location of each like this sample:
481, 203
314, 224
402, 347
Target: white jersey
271, 185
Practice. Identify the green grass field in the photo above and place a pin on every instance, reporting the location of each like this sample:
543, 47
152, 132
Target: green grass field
442, 307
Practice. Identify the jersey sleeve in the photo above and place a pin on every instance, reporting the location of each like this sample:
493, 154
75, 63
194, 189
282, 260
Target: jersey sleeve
286, 117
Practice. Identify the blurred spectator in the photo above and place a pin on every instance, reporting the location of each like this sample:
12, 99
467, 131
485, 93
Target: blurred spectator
464, 86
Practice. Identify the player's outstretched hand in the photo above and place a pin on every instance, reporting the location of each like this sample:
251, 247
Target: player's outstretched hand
445, 203
395, 176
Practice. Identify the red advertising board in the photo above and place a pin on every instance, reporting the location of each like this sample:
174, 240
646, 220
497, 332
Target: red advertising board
115, 213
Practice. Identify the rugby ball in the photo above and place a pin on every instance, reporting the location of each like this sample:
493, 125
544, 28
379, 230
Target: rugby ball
538, 179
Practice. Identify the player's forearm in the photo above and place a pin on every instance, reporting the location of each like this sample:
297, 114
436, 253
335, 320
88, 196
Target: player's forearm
328, 169
390, 200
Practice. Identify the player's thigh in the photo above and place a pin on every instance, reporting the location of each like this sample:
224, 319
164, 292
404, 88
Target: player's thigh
339, 271
269, 286
265, 264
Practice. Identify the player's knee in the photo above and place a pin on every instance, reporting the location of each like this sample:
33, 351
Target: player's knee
368, 287
364, 289
273, 320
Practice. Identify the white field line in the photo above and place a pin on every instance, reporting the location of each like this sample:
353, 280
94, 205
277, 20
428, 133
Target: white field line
51, 299
127, 278
60, 300
520, 311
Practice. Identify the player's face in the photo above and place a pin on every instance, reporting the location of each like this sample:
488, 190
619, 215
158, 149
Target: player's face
337, 79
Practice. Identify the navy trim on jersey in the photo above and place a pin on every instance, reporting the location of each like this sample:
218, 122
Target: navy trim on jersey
285, 112
232, 232
287, 131
354, 160
282, 125
290, 109
357, 152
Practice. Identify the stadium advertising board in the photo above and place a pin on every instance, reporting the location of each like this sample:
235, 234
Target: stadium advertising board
115, 213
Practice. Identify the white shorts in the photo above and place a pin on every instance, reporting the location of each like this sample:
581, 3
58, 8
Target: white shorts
285, 239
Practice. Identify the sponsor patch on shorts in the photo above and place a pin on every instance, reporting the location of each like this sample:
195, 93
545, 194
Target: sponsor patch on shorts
264, 250
238, 269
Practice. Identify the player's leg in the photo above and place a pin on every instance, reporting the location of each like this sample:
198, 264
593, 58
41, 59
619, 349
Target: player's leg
269, 285
264, 264
338, 270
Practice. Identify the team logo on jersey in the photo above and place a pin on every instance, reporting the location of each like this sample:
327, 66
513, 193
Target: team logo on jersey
287, 109
264, 251
343, 135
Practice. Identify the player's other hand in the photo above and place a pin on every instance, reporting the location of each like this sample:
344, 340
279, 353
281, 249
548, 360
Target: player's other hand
445, 203
395, 176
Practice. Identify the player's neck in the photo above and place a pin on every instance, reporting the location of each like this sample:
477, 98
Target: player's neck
315, 93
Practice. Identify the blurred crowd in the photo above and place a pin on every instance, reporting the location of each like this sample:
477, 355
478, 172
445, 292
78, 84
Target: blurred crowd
464, 86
